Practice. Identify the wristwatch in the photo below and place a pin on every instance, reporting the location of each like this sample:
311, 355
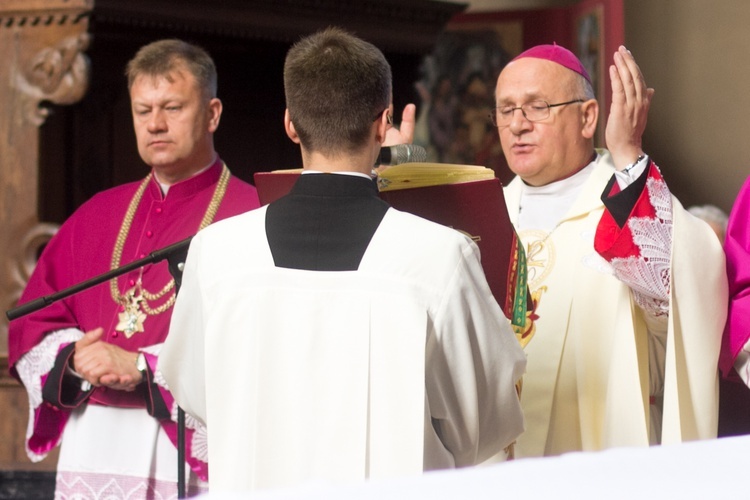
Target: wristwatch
140, 363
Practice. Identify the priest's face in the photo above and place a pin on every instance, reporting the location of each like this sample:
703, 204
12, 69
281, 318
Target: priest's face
174, 123
550, 149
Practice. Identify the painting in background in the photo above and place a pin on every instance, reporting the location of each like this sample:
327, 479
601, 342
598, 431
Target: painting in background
456, 89
589, 47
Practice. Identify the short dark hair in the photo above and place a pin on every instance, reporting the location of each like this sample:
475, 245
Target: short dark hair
163, 57
336, 85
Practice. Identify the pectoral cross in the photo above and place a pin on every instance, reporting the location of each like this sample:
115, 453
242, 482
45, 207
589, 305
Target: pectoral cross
132, 318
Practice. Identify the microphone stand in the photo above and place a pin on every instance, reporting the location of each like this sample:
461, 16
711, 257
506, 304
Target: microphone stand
175, 255
175, 251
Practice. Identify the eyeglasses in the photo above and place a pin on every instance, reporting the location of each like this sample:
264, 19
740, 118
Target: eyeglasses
388, 116
533, 111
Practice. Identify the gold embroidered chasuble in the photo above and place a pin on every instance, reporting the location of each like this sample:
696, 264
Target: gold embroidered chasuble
588, 385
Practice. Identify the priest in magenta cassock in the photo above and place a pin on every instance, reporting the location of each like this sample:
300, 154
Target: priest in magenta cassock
89, 362
735, 359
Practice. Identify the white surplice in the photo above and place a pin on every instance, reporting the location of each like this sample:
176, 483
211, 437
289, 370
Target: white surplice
392, 369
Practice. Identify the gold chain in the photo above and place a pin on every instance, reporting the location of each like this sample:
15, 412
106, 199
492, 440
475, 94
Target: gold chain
145, 295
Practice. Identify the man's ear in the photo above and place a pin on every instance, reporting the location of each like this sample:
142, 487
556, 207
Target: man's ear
289, 128
589, 117
383, 124
214, 114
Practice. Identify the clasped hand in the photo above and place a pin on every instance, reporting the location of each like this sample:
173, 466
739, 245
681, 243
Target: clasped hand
103, 364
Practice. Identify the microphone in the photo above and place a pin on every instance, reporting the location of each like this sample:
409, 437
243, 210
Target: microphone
401, 153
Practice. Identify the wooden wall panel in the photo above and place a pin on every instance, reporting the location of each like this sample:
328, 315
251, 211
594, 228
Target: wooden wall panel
43, 44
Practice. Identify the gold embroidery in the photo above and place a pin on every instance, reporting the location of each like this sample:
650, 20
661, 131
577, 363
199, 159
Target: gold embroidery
527, 331
475, 239
540, 256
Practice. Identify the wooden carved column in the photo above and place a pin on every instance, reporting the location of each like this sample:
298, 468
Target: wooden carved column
42, 43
